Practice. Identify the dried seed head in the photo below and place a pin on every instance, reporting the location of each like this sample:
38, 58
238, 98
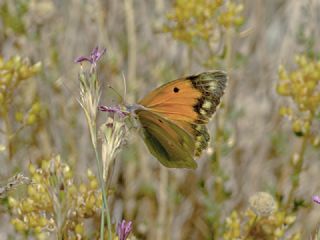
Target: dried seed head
113, 134
262, 203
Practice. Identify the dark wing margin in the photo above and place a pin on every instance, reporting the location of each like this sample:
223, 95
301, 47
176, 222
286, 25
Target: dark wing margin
211, 85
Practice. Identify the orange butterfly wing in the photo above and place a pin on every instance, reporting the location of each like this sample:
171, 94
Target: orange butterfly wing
189, 103
173, 100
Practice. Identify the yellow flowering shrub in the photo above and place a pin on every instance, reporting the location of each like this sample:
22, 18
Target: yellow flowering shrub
302, 86
55, 204
194, 20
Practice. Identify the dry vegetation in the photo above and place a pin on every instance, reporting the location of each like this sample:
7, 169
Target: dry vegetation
265, 136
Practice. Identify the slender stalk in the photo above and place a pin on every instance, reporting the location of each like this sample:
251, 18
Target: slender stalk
58, 214
217, 142
102, 184
297, 170
162, 204
89, 99
253, 224
228, 64
132, 43
298, 166
8, 132
105, 203
219, 125
219, 119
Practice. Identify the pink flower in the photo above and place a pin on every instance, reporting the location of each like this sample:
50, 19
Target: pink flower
123, 229
114, 109
316, 199
93, 58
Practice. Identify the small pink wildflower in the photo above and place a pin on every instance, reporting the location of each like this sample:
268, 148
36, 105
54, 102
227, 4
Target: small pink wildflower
316, 199
114, 109
94, 56
123, 229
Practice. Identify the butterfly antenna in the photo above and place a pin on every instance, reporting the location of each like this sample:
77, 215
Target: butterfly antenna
116, 92
122, 98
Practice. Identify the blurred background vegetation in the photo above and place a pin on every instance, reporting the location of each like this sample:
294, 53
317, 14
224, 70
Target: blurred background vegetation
265, 136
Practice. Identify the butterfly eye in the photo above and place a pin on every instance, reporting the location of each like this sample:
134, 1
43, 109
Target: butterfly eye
176, 89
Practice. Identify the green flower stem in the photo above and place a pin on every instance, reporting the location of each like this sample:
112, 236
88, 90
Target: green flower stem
217, 142
105, 203
102, 184
251, 226
219, 123
219, 119
8, 131
89, 104
295, 181
228, 63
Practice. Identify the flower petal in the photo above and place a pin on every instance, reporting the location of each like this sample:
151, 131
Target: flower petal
316, 199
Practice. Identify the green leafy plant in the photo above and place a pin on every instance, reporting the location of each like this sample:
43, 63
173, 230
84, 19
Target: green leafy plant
55, 204
301, 86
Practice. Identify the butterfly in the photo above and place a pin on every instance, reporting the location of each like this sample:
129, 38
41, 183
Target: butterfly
173, 117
